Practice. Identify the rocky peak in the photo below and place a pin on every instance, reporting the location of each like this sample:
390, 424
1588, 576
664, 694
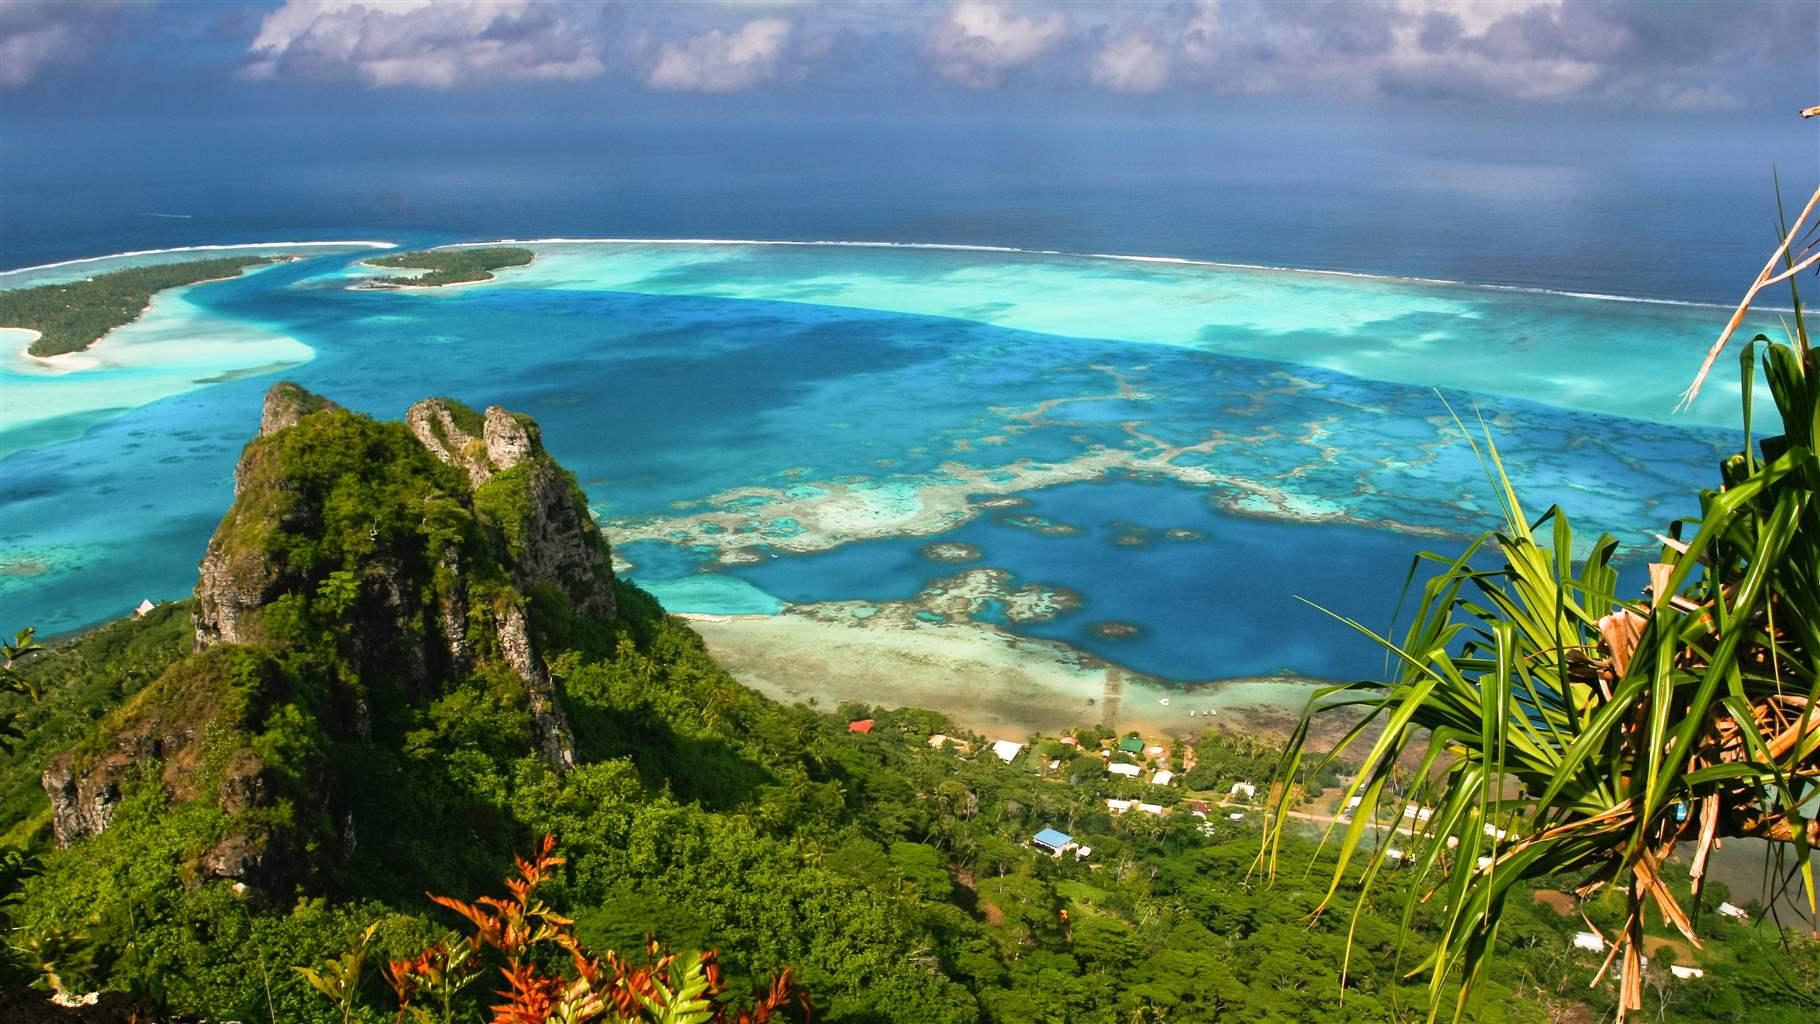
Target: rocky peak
286, 404
480, 445
387, 561
552, 536
510, 439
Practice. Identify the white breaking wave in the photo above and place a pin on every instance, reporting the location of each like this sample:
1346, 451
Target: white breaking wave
1174, 260
939, 246
198, 248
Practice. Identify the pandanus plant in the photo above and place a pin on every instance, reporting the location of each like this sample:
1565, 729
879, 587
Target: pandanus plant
1561, 731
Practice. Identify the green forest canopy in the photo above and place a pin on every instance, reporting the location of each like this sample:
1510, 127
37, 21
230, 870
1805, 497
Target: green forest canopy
71, 317
897, 878
454, 266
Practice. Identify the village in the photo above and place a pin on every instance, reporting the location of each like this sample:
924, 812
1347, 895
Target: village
1218, 778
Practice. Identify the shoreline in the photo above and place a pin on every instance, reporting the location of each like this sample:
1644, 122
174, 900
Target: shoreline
62, 362
1123, 257
51, 362
196, 248
936, 246
985, 679
385, 282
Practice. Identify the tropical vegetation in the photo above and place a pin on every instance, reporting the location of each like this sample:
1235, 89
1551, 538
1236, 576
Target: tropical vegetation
452, 266
895, 878
71, 317
1549, 726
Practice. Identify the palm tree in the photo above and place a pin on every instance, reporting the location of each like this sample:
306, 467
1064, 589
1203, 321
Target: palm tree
1561, 730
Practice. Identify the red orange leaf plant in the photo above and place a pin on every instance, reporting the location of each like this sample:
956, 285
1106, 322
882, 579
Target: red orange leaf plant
527, 938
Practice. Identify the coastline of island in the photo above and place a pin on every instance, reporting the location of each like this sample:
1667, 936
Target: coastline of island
826, 655
445, 268
68, 319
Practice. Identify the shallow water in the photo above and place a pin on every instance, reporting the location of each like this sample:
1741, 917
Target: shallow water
1183, 450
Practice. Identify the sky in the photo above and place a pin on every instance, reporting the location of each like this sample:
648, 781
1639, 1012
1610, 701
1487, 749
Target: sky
1509, 141
1659, 59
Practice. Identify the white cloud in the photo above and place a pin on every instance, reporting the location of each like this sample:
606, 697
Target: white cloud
417, 43
979, 42
1675, 56
718, 61
1131, 64
37, 36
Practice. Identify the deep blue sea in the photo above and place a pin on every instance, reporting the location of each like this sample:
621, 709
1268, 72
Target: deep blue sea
1677, 207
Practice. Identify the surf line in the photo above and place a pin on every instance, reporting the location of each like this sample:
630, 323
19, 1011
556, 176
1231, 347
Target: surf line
1169, 260
199, 248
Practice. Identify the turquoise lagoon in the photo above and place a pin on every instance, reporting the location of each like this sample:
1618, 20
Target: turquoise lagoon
1160, 458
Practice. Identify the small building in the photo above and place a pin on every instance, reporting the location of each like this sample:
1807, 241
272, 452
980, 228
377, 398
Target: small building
1154, 751
1006, 750
1083, 852
1394, 854
863, 725
1418, 813
1130, 771
1151, 808
938, 739
1235, 816
1686, 973
1162, 778
1131, 745
1734, 912
1071, 741
144, 608
1119, 806
1244, 790
1590, 941
1484, 862
1052, 842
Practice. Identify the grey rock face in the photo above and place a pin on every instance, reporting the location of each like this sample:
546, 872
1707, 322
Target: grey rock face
509, 442
286, 404
549, 725
561, 545
81, 805
433, 424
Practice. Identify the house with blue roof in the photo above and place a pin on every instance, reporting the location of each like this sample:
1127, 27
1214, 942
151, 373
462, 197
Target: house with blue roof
1052, 842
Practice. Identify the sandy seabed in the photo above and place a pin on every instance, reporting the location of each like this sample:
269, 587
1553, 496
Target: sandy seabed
988, 680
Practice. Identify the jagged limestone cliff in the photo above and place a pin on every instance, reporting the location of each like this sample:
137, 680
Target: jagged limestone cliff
363, 564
